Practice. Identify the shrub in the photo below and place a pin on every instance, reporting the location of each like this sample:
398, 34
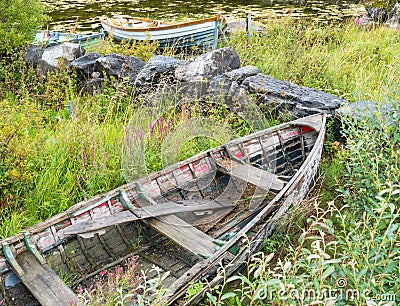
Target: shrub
19, 19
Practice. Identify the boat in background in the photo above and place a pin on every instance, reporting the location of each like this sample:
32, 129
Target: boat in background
51, 38
201, 33
185, 219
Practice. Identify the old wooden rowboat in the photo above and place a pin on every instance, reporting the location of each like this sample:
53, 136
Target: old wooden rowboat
185, 219
51, 38
183, 35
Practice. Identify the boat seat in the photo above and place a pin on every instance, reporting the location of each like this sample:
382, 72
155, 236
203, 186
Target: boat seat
180, 231
41, 280
255, 176
87, 229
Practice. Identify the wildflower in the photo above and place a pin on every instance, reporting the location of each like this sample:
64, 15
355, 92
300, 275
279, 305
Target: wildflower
169, 123
151, 128
335, 145
141, 133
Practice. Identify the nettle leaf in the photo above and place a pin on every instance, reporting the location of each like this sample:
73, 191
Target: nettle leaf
287, 266
362, 272
211, 297
391, 230
391, 267
328, 272
228, 295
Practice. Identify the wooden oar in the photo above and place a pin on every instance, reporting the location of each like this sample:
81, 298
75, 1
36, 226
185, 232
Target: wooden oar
200, 206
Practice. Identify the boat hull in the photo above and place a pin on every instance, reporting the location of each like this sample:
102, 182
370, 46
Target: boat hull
51, 38
292, 149
203, 35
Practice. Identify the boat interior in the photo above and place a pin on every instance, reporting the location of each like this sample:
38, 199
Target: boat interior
136, 23
214, 194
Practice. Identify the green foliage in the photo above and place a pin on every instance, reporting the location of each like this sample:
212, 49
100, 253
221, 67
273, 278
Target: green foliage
19, 20
193, 289
348, 253
143, 50
17, 145
50, 160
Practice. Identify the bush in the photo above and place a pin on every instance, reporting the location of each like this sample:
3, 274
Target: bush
19, 19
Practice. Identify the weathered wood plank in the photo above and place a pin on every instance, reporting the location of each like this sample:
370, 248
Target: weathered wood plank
44, 284
157, 210
185, 235
255, 176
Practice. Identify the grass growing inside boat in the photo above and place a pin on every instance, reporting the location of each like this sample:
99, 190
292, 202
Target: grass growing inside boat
50, 160
122, 285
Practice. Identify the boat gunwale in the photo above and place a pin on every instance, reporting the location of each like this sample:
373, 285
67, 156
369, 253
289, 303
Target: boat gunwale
104, 20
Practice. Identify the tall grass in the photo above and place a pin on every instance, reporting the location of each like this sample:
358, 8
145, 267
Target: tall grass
343, 59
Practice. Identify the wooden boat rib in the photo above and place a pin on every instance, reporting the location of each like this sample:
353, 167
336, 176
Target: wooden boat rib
184, 219
201, 33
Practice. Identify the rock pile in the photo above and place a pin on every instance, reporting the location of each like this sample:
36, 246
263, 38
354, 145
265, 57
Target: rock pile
216, 73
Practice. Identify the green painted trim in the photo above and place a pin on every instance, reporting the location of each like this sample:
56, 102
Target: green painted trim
12, 261
32, 249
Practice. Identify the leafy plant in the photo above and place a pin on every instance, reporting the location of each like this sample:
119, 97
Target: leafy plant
19, 20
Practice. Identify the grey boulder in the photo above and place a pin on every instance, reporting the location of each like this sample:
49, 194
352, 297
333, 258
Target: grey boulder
227, 86
156, 69
85, 65
62, 54
119, 66
33, 55
208, 65
285, 96
365, 109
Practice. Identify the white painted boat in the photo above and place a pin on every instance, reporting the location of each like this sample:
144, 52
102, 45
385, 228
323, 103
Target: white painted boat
201, 33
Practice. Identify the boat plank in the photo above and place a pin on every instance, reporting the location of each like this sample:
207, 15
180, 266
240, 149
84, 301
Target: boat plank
44, 283
151, 211
178, 230
255, 176
184, 234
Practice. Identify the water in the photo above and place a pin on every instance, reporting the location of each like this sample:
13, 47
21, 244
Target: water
82, 15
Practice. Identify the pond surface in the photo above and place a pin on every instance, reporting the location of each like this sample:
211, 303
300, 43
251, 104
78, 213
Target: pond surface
83, 14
